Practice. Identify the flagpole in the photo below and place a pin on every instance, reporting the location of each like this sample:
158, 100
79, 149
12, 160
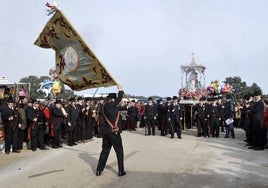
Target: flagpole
95, 92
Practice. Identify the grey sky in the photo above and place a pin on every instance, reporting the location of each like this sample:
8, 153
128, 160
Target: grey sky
143, 43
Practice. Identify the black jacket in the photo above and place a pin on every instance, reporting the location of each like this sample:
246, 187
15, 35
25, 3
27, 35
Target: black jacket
110, 109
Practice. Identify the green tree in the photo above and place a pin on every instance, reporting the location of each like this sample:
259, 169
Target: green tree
254, 87
240, 88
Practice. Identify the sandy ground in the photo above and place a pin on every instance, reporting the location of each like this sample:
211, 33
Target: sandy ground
150, 161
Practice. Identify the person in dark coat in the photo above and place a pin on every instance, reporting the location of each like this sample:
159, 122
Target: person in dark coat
229, 115
133, 114
9, 118
162, 111
246, 119
214, 119
37, 120
257, 111
175, 117
201, 118
150, 113
57, 118
72, 121
111, 134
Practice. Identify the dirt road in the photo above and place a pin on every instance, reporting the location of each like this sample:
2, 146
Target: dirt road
150, 162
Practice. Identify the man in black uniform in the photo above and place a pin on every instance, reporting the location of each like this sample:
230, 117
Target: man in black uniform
150, 113
133, 113
37, 121
229, 114
214, 118
162, 111
8, 115
57, 118
111, 135
257, 111
201, 118
175, 117
72, 121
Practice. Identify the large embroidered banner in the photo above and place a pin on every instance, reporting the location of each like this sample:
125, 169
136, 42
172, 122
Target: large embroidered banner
76, 65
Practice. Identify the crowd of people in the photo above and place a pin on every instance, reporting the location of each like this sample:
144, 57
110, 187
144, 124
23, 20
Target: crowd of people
52, 123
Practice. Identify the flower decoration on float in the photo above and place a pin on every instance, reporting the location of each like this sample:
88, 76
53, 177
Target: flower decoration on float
215, 88
196, 95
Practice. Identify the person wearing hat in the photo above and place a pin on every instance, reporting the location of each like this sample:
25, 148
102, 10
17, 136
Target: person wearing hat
79, 131
57, 117
22, 124
9, 119
167, 106
133, 115
162, 117
72, 121
150, 113
175, 117
111, 134
246, 118
37, 120
257, 111
214, 117
201, 117
229, 117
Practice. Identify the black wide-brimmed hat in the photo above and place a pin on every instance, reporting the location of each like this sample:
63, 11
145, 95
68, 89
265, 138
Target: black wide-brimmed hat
247, 97
150, 99
71, 99
168, 98
34, 100
112, 96
257, 93
58, 101
10, 99
80, 98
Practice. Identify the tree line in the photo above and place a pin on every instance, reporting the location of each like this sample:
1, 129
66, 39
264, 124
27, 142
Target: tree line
239, 87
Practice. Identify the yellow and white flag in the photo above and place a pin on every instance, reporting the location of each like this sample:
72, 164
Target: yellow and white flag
76, 65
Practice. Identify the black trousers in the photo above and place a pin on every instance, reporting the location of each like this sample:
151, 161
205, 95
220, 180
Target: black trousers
21, 138
11, 138
151, 126
70, 137
108, 141
37, 137
215, 127
258, 134
175, 128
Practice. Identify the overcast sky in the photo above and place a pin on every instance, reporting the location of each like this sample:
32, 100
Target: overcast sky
143, 43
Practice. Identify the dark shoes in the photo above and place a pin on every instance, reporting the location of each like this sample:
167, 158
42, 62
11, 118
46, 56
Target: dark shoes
16, 151
98, 173
258, 148
44, 148
122, 173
